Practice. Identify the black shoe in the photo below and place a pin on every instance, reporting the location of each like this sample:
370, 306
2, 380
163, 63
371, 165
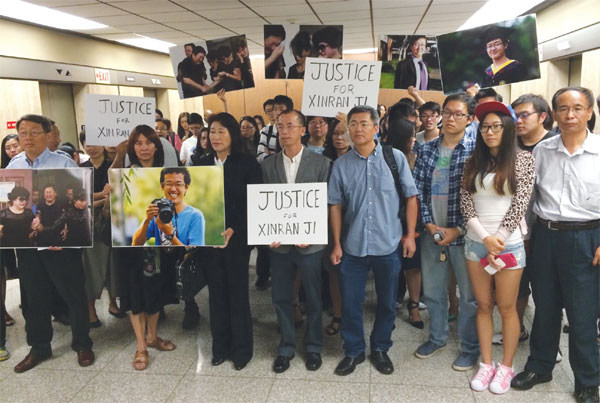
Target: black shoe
282, 363
262, 283
382, 362
347, 365
587, 395
528, 379
240, 365
313, 361
217, 361
191, 318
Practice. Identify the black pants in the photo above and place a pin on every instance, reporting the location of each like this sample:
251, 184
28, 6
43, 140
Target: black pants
229, 303
2, 310
40, 271
263, 263
562, 275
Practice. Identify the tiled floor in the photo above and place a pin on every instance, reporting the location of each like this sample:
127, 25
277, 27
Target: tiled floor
186, 375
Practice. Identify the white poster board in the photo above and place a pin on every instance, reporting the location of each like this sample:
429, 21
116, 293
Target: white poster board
289, 213
110, 118
337, 85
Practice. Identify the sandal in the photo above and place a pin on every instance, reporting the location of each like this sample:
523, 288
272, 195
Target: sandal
416, 323
161, 345
8, 320
140, 361
334, 327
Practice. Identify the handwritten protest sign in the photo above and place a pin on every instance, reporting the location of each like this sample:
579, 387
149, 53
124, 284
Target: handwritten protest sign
336, 85
290, 213
110, 118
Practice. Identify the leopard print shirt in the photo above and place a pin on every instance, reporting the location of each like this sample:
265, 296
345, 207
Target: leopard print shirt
525, 177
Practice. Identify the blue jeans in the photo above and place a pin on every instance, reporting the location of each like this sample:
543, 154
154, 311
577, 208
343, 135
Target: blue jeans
353, 277
436, 275
283, 273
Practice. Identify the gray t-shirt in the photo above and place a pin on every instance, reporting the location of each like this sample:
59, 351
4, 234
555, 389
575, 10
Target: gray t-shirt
440, 184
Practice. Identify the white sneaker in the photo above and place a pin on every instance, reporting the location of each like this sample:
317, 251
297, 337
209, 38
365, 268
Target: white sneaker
482, 378
501, 382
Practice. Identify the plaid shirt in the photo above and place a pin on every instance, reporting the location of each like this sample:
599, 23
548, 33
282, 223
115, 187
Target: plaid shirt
428, 155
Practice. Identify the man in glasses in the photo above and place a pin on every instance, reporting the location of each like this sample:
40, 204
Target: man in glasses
429, 114
296, 164
42, 271
502, 70
412, 71
438, 172
363, 185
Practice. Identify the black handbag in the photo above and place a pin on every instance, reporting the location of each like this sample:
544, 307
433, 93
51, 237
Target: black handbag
190, 273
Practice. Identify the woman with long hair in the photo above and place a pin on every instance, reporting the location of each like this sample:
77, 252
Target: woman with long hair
496, 186
250, 134
227, 274
260, 122
143, 292
10, 148
182, 126
401, 134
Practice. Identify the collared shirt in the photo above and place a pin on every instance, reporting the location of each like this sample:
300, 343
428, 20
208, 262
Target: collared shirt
218, 162
567, 187
268, 143
47, 159
366, 188
423, 173
418, 72
290, 165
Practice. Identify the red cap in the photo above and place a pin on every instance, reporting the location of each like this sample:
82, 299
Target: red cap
492, 106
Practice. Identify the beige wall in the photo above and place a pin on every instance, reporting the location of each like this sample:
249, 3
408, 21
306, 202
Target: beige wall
17, 98
566, 16
57, 104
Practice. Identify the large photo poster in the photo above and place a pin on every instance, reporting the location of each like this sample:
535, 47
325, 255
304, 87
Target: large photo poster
490, 55
409, 61
182, 206
288, 46
46, 207
205, 67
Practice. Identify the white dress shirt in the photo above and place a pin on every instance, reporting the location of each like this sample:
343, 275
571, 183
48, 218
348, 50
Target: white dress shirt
291, 165
567, 187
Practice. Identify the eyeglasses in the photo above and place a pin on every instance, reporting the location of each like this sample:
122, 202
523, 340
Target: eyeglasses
577, 110
426, 116
34, 134
288, 127
497, 44
496, 128
176, 184
317, 123
524, 115
362, 125
456, 115
339, 134
195, 129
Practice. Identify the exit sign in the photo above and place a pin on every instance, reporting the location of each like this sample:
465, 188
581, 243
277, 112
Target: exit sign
11, 125
102, 76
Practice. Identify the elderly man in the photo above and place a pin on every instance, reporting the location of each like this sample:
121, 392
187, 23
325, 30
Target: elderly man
566, 247
296, 164
42, 270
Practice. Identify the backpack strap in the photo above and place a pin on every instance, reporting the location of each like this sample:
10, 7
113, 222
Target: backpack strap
388, 156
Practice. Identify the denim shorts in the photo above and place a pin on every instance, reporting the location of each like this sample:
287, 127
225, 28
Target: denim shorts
475, 251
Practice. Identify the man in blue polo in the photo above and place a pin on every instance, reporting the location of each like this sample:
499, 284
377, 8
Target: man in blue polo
41, 270
362, 184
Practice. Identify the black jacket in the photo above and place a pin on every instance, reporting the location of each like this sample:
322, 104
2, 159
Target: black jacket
406, 74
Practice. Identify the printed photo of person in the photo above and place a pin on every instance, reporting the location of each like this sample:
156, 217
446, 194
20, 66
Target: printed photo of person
178, 206
490, 55
17, 222
233, 69
409, 61
288, 46
190, 67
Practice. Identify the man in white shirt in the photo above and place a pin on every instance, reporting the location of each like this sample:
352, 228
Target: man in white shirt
566, 247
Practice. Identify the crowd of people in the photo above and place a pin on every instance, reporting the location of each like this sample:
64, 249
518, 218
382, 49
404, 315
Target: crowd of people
497, 200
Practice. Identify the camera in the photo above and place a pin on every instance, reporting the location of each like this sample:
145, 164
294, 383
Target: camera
166, 209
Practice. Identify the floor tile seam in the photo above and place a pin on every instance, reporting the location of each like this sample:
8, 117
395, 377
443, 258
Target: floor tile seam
168, 398
84, 386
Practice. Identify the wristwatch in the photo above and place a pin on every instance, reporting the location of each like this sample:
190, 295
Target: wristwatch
462, 231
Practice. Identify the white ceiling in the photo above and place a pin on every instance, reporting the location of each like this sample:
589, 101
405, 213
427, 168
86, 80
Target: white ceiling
180, 21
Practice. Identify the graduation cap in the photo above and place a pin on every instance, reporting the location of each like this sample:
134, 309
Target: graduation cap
497, 32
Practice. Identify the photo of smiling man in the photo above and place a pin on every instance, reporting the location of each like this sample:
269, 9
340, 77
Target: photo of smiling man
169, 220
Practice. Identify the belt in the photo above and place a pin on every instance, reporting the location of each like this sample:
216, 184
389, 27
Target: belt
568, 225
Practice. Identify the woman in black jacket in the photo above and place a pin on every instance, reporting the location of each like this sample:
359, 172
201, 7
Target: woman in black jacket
227, 271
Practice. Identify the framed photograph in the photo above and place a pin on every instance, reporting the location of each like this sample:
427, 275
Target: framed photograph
181, 206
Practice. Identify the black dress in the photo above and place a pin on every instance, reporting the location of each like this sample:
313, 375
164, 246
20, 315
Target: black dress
16, 228
227, 273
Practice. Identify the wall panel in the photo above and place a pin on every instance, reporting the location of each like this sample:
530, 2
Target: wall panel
17, 98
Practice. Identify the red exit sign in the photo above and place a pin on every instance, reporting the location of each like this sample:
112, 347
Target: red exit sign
11, 125
102, 76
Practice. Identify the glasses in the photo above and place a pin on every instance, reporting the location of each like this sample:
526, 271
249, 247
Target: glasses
577, 110
496, 128
497, 44
288, 127
176, 184
362, 125
34, 134
456, 115
425, 116
161, 129
317, 123
524, 115
195, 129
339, 134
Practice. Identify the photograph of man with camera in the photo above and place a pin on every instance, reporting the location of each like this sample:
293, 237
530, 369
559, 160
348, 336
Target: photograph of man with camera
169, 220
